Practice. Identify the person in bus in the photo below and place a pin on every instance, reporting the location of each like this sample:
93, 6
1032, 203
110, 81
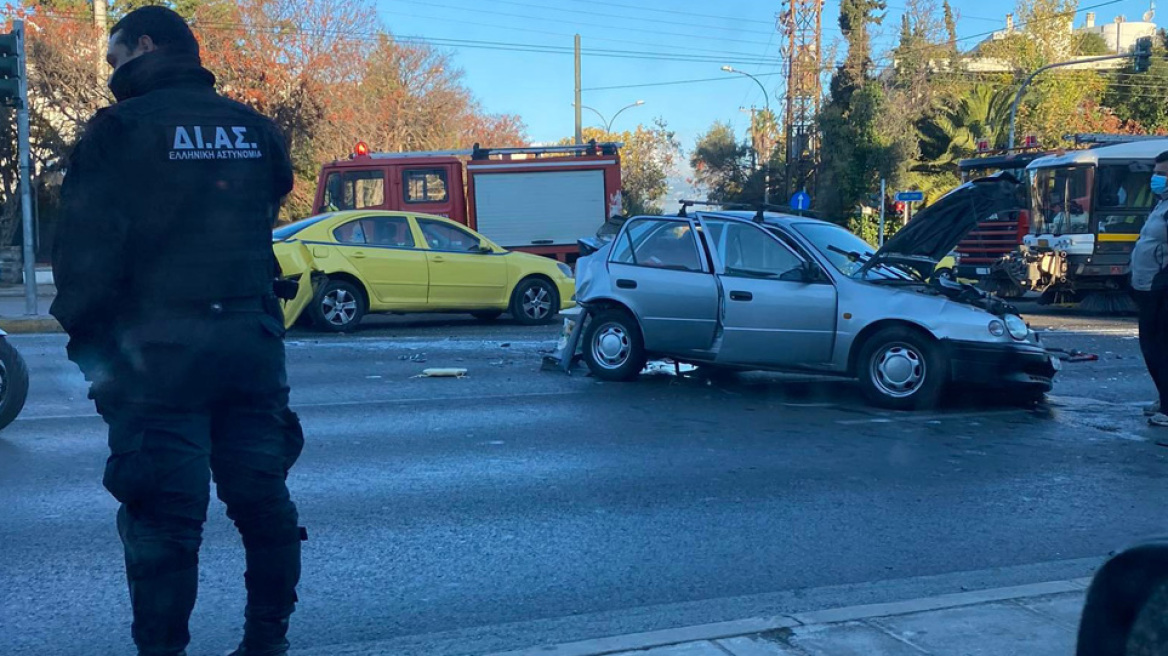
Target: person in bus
1149, 282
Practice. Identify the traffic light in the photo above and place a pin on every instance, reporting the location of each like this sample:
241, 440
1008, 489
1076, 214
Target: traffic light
1143, 54
11, 67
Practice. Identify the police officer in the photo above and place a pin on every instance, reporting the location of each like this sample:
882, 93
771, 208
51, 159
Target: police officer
164, 272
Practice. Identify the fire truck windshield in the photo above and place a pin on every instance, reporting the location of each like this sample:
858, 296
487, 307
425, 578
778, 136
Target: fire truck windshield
1061, 201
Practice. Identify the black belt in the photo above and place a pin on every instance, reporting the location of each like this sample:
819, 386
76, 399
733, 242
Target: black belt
221, 306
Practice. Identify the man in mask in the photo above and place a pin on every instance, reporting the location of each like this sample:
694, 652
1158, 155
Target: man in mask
164, 270
1149, 281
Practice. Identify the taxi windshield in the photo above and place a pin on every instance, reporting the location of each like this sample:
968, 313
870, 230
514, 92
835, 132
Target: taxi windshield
1061, 200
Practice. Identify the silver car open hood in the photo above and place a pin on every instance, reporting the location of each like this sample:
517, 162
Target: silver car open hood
937, 229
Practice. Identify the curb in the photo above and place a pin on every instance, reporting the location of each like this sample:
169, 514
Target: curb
722, 630
29, 325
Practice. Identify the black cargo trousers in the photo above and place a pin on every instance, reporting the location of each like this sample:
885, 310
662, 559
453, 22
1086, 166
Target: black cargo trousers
202, 393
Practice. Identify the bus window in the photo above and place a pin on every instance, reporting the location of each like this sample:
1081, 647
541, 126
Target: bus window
1124, 197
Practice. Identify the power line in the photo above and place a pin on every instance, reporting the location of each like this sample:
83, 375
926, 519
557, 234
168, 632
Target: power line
738, 30
430, 3
722, 78
374, 37
559, 34
673, 11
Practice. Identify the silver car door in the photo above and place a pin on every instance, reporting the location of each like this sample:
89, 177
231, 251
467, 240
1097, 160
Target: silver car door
770, 316
659, 272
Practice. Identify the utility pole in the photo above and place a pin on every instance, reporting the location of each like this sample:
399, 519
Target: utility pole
579, 107
14, 94
100, 21
883, 202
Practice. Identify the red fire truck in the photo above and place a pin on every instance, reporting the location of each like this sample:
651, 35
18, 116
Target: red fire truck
537, 199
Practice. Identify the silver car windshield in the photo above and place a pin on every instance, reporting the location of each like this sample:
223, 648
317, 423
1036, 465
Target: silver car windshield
847, 252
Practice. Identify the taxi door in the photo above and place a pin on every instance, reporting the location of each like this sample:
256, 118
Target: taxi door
384, 251
461, 275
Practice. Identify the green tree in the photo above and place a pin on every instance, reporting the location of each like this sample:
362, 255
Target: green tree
721, 164
1091, 44
950, 34
1140, 97
854, 153
648, 158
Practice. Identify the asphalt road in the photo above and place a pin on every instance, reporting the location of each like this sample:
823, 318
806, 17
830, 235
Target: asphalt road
515, 506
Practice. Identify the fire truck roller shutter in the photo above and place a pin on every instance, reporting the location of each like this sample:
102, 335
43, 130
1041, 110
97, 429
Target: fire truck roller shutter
539, 207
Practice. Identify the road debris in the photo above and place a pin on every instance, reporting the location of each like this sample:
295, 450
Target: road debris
443, 372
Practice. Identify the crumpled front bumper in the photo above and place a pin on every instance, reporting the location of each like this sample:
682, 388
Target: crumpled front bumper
1021, 365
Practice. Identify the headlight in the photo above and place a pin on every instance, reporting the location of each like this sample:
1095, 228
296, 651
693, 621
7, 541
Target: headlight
997, 328
565, 269
1017, 327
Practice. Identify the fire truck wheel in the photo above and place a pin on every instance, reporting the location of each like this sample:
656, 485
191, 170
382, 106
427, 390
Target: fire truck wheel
338, 307
535, 301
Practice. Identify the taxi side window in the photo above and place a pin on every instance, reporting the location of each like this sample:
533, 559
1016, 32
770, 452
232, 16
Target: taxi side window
393, 231
352, 232
445, 237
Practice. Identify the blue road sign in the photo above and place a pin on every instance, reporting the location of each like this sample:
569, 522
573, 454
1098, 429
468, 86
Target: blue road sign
910, 196
800, 201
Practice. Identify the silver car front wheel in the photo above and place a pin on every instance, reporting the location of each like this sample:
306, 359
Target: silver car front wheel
902, 367
899, 370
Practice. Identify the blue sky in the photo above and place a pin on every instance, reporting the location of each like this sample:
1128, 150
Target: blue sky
538, 85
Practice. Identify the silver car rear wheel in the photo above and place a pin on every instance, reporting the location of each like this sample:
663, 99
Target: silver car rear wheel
610, 346
613, 346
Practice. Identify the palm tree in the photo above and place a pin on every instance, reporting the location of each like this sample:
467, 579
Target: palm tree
952, 134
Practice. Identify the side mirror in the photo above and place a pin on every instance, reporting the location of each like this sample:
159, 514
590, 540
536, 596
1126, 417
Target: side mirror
481, 249
806, 273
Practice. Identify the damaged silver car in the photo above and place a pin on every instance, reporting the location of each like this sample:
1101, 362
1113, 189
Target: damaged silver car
768, 291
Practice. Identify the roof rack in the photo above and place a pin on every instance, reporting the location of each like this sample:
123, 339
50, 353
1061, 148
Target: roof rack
1100, 139
478, 152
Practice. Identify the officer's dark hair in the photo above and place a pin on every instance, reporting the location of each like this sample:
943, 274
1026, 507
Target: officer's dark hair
1162, 157
167, 29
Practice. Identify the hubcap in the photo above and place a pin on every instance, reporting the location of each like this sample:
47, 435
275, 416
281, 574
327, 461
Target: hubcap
610, 346
339, 307
898, 370
537, 302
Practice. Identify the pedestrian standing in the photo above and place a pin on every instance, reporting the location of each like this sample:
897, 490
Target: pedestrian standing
164, 270
1149, 281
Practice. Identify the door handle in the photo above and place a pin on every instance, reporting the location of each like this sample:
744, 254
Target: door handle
358, 255
741, 296
437, 258
625, 283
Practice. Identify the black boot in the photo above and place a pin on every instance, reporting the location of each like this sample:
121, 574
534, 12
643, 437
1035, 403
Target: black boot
263, 638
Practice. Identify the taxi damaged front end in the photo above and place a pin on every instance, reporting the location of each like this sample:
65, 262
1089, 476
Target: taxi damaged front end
300, 277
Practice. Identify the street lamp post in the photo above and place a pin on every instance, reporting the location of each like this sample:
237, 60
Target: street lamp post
766, 167
608, 123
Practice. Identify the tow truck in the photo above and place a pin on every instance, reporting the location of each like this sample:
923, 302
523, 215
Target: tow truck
539, 199
1087, 209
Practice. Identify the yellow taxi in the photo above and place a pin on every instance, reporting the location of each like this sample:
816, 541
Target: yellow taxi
349, 264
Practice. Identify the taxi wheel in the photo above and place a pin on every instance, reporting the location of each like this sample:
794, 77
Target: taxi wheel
338, 307
613, 346
945, 273
535, 301
902, 369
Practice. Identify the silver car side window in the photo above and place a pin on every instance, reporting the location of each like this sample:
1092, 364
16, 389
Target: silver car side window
660, 244
745, 250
